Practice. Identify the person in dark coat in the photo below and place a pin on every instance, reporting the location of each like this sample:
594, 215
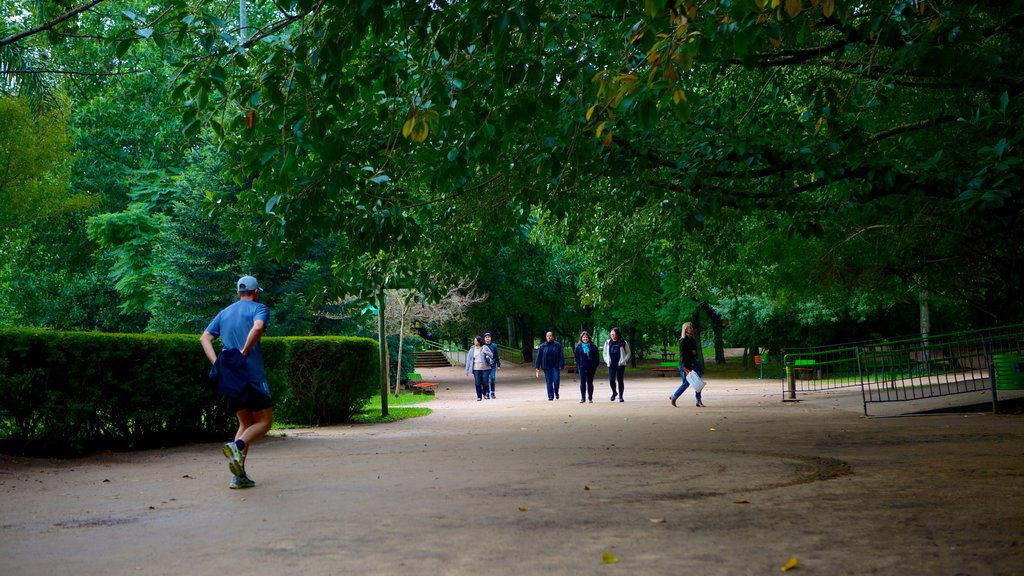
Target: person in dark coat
494, 367
551, 360
687, 363
587, 360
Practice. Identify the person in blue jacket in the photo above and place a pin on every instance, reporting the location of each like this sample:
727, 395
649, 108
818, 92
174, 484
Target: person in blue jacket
494, 367
551, 360
240, 327
587, 361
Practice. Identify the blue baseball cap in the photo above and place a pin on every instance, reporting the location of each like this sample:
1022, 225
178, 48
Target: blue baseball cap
248, 284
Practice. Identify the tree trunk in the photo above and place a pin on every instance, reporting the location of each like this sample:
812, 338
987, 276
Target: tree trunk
401, 336
513, 338
717, 329
382, 339
632, 339
526, 331
926, 325
697, 336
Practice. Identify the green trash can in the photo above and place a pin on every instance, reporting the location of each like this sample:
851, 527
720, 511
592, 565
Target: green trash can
1009, 369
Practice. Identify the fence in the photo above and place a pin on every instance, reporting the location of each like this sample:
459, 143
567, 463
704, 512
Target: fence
457, 355
912, 368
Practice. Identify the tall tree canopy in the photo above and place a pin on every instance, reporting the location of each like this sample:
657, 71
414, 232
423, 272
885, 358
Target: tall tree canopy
781, 149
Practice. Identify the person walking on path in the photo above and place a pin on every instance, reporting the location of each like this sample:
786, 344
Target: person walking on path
478, 363
616, 355
240, 327
494, 368
587, 361
687, 362
551, 360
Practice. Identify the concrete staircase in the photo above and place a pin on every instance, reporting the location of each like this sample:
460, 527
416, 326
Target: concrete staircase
431, 359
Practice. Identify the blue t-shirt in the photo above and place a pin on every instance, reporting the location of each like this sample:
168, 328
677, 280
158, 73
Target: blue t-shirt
233, 324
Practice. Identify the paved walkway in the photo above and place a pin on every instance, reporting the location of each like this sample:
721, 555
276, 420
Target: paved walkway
522, 486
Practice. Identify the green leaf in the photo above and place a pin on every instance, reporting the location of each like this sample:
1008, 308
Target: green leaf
123, 47
271, 203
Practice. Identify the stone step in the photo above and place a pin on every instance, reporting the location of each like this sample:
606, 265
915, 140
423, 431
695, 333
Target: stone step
431, 359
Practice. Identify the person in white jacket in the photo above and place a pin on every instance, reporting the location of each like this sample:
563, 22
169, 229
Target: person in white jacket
616, 354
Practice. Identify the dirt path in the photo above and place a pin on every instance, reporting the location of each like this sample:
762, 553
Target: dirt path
519, 485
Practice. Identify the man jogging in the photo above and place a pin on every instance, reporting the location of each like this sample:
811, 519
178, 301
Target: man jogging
240, 327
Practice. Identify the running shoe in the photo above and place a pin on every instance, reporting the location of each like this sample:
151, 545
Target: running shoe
234, 456
241, 482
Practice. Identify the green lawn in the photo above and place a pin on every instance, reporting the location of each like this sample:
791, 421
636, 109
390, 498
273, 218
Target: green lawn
399, 408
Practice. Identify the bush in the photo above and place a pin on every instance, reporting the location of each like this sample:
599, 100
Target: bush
66, 393
408, 359
321, 380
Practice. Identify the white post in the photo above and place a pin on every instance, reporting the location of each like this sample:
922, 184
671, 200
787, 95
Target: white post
242, 25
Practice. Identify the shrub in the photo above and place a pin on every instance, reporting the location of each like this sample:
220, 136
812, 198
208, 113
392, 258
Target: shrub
66, 393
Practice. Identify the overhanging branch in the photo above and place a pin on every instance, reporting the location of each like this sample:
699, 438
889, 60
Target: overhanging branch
47, 26
927, 123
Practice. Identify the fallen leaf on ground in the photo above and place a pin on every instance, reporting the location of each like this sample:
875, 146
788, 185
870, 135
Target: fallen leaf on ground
523, 508
609, 558
742, 502
789, 565
712, 429
657, 520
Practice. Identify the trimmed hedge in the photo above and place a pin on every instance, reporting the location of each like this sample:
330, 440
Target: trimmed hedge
67, 393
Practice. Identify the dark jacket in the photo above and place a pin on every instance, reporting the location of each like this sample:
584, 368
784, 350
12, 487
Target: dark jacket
230, 375
586, 362
494, 352
687, 352
549, 355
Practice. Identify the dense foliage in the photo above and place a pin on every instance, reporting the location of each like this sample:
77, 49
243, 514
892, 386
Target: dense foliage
779, 170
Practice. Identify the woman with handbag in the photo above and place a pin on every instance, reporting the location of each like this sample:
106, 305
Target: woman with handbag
688, 363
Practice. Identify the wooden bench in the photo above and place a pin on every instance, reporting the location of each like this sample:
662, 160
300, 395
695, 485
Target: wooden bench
666, 368
571, 368
419, 386
424, 388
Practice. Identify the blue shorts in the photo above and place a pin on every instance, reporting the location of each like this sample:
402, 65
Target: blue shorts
259, 399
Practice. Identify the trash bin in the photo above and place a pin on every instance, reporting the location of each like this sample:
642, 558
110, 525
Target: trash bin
1009, 370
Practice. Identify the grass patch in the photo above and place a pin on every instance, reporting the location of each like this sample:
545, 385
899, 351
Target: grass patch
399, 408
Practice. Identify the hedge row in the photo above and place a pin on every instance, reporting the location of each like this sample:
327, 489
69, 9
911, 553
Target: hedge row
67, 393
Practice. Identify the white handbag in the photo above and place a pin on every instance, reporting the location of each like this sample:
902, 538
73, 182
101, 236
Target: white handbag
696, 382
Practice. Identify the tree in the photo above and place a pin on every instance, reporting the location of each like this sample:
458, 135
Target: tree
415, 137
34, 176
408, 307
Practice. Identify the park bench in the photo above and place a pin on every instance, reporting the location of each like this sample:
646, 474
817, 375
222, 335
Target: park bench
571, 368
666, 368
803, 369
419, 386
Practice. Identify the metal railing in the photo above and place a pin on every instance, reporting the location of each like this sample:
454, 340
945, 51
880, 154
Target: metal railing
458, 356
905, 369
